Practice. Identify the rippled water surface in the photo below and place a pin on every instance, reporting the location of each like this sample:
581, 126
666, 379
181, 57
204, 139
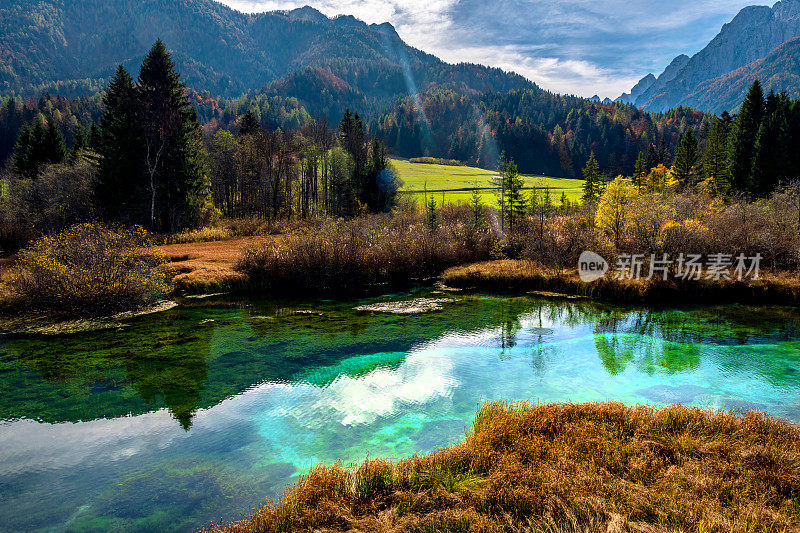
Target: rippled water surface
200, 413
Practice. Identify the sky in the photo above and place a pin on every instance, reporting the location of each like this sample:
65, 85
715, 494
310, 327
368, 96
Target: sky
582, 47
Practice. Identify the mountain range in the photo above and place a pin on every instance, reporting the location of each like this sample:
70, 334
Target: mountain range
74, 46
759, 43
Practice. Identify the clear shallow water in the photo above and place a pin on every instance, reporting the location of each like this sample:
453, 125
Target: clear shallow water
199, 413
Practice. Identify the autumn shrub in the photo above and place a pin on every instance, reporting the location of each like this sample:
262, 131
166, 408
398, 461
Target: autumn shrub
627, 221
343, 255
206, 234
562, 238
89, 269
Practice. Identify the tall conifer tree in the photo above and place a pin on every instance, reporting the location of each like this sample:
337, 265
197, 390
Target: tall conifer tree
742, 140
250, 123
715, 168
686, 157
771, 153
21, 160
122, 184
173, 161
591, 176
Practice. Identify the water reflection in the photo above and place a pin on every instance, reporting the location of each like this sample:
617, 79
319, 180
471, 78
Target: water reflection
196, 357
203, 411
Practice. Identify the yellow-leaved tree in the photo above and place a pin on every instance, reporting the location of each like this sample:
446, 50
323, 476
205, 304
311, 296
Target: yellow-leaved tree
615, 211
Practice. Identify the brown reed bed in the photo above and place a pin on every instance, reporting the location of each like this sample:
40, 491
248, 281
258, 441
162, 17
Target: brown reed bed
521, 275
342, 256
564, 467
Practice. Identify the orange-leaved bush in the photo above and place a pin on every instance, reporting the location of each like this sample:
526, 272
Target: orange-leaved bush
89, 269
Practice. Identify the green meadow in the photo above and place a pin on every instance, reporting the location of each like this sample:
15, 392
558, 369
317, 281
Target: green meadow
455, 184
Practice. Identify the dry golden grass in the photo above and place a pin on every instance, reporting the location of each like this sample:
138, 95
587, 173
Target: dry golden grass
507, 274
200, 267
565, 467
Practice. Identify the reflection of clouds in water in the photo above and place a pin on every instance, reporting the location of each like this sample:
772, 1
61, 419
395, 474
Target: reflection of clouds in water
423, 376
27, 445
31, 446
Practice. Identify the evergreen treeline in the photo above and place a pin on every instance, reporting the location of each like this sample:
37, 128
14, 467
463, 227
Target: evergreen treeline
762, 143
76, 117
543, 132
73, 117
751, 154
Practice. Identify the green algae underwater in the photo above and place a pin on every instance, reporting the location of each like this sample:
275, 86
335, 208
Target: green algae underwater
195, 415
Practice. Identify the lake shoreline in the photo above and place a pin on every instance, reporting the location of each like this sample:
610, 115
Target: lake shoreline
523, 276
595, 466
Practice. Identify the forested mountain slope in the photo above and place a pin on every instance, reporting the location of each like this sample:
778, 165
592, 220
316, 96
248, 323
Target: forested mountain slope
73, 46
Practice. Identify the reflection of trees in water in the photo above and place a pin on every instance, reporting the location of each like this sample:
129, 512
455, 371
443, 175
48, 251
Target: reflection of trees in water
648, 353
179, 362
671, 340
87, 380
178, 384
666, 340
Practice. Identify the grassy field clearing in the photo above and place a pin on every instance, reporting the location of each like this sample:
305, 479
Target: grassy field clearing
457, 183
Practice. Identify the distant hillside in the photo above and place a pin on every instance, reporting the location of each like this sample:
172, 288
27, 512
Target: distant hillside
754, 34
73, 46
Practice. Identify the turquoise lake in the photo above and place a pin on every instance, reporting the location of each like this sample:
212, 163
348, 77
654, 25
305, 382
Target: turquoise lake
198, 414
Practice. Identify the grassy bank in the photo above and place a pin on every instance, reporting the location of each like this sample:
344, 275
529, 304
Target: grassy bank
520, 275
565, 467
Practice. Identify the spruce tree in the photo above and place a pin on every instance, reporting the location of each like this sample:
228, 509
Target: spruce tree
94, 138
176, 181
771, 162
591, 176
53, 149
742, 140
250, 124
516, 204
21, 161
121, 190
42, 144
640, 169
686, 157
431, 213
715, 168
476, 205
38, 141
793, 139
